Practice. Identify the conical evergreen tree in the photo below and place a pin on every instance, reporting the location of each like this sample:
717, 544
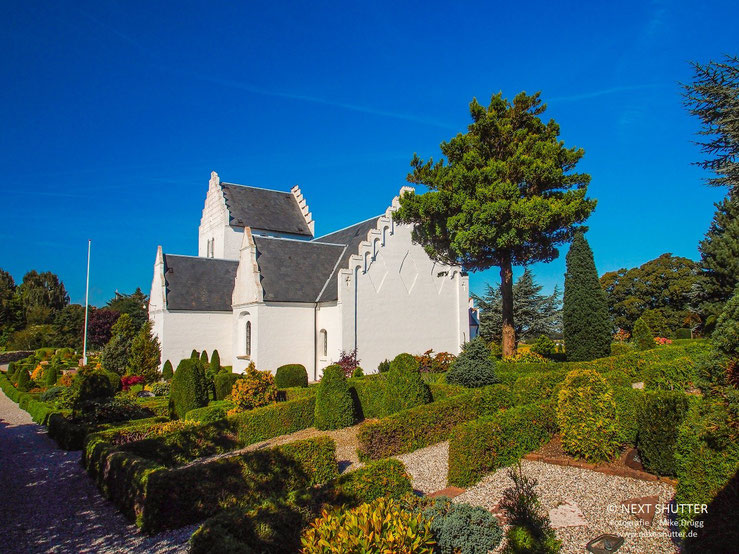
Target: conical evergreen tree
643, 336
204, 358
215, 362
587, 325
145, 355
720, 259
167, 371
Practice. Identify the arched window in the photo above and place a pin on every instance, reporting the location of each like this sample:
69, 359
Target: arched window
324, 343
248, 338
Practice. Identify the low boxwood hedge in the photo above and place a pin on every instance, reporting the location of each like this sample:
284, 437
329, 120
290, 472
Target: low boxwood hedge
483, 445
275, 527
291, 375
425, 425
274, 420
161, 498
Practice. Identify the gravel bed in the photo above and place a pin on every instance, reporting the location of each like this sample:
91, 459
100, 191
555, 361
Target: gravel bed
593, 493
49, 504
427, 467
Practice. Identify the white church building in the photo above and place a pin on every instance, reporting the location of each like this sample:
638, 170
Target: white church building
264, 289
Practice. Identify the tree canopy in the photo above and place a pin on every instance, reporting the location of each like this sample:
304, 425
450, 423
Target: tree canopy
134, 304
534, 314
506, 195
663, 284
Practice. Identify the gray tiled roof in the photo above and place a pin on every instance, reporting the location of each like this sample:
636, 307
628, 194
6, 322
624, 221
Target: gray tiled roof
351, 237
199, 284
268, 210
295, 270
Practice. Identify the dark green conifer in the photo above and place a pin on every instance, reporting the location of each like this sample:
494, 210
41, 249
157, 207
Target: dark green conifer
587, 325
642, 335
334, 404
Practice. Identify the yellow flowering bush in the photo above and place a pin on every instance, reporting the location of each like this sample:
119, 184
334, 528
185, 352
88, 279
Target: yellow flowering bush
38, 372
379, 526
525, 357
256, 389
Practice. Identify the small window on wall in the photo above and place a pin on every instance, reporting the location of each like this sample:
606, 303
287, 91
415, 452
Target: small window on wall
324, 343
248, 338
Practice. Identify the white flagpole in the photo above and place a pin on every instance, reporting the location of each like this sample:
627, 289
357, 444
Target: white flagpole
87, 296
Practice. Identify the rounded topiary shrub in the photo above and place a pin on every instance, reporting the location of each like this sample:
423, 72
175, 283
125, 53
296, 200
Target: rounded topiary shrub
215, 362
473, 367
586, 414
23, 380
204, 358
405, 388
188, 390
167, 371
642, 335
51, 376
334, 404
224, 384
462, 528
93, 385
291, 375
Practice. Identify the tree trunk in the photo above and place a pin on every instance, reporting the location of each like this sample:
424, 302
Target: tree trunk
506, 292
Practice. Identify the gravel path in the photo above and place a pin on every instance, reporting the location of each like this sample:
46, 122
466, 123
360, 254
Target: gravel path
48, 504
427, 467
593, 493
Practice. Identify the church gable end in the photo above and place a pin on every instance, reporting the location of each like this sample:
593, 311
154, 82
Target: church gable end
199, 284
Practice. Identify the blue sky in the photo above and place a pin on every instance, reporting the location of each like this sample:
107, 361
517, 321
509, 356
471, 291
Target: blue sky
113, 115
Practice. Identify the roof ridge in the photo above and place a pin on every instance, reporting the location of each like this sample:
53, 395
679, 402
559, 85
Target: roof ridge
348, 227
201, 257
256, 236
253, 187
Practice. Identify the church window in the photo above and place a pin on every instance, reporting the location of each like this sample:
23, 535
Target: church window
248, 338
324, 343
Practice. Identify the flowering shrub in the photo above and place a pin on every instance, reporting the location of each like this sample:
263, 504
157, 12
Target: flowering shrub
348, 362
428, 363
622, 335
38, 372
128, 381
525, 358
66, 380
659, 340
256, 389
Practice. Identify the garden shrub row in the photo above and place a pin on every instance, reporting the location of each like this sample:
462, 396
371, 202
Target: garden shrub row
159, 498
659, 415
69, 435
275, 527
483, 445
274, 420
425, 425
39, 411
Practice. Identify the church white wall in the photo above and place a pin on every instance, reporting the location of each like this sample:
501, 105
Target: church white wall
214, 226
328, 319
405, 302
180, 332
282, 333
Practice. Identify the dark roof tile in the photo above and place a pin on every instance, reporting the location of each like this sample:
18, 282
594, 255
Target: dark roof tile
199, 284
268, 210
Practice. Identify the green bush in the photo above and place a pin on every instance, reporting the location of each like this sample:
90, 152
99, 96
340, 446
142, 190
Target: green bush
473, 367
536, 387
291, 375
440, 391
394, 529
679, 374
683, 334
358, 372
726, 335
707, 462
208, 414
204, 359
544, 346
383, 367
586, 414
334, 404
224, 384
483, 445
404, 389
461, 528
51, 375
215, 362
274, 420
189, 390
659, 415
167, 371
620, 348
368, 395
642, 336
423, 426
23, 380
93, 385
626, 421
275, 527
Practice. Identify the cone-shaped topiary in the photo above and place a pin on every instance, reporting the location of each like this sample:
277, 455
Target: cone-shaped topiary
291, 375
642, 335
586, 414
167, 371
204, 358
215, 362
188, 390
587, 324
24, 382
145, 355
194, 355
405, 388
334, 404
473, 367
51, 376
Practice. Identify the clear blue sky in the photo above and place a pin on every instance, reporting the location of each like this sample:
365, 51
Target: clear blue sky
113, 115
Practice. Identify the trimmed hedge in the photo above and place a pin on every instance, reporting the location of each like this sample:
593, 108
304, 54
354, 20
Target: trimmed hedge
217, 409
72, 436
627, 425
274, 420
368, 395
275, 527
423, 426
160, 498
40, 412
537, 387
404, 387
189, 389
291, 375
659, 414
334, 403
491, 442
224, 383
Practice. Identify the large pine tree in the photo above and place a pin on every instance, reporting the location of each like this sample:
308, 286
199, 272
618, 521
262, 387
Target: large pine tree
587, 325
720, 259
507, 195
